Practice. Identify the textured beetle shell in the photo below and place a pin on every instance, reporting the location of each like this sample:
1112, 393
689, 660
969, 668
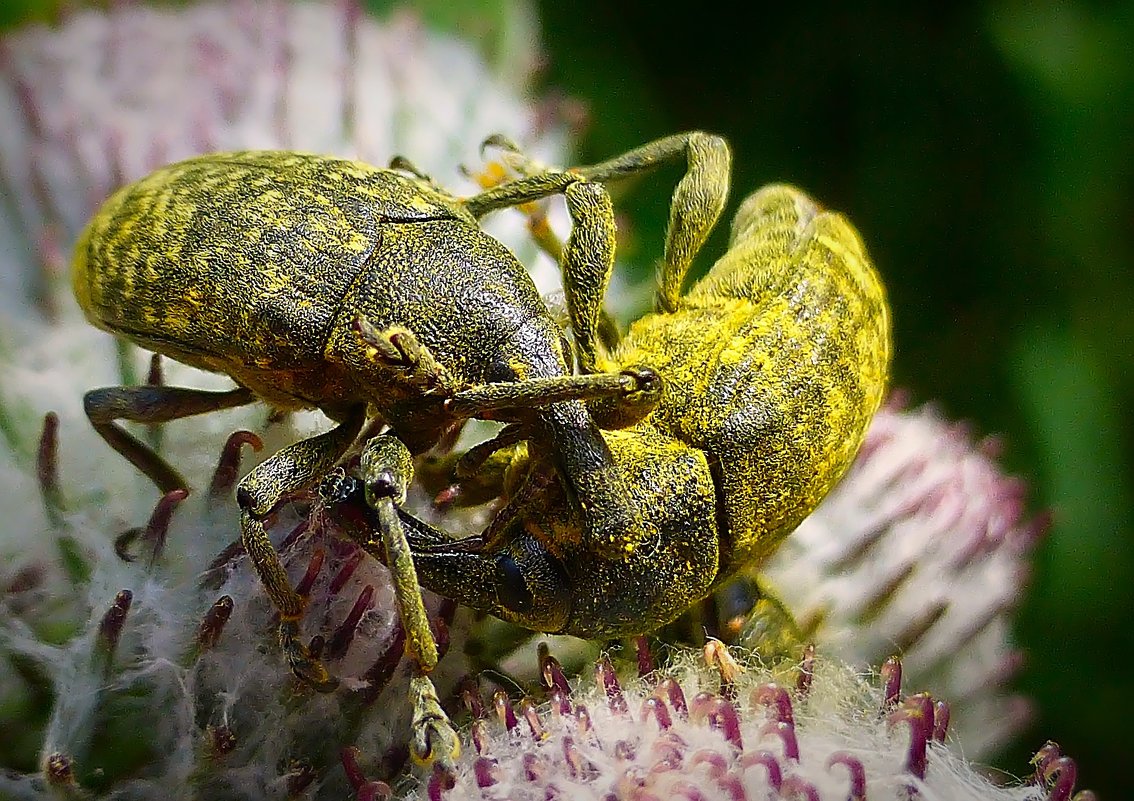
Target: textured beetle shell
255, 263
775, 362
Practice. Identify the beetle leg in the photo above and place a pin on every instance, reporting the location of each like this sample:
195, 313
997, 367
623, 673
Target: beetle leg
696, 205
768, 625
399, 349
259, 493
475, 458
387, 470
637, 387
152, 404
697, 202
587, 260
587, 264
613, 526
482, 473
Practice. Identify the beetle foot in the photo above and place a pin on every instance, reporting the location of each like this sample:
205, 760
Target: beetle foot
400, 350
433, 739
306, 667
642, 390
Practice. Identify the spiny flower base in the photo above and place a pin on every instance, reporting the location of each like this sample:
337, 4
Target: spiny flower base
814, 730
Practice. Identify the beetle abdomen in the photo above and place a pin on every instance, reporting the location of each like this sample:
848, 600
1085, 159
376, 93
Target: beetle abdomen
254, 248
775, 363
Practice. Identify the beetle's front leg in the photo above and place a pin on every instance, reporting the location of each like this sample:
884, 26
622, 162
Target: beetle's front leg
387, 470
399, 351
259, 493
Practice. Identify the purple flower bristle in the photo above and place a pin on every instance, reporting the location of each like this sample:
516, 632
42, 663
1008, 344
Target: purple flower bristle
529, 713
891, 673
213, 622
776, 699
348, 756
470, 697
941, 712
374, 791
669, 690
606, 677
656, 708
303, 588
646, 665
766, 760
723, 718
47, 469
345, 571
227, 470
110, 627
917, 712
378, 675
504, 711
340, 641
856, 771
485, 769
786, 733
796, 788
157, 527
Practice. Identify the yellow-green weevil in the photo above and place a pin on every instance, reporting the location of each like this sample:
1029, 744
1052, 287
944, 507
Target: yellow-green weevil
363, 292
772, 366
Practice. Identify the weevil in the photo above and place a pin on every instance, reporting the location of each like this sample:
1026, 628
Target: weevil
772, 367
317, 282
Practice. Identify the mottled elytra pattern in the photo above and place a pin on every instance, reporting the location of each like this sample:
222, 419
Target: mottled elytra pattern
244, 262
774, 364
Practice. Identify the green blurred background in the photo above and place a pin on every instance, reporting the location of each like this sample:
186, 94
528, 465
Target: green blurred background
986, 152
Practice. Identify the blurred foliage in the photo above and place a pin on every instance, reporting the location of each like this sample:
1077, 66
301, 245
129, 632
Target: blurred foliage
986, 152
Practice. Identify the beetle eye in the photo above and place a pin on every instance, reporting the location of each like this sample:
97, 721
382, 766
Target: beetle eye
512, 588
499, 372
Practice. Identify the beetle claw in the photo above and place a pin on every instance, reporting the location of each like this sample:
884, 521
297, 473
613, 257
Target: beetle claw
433, 740
306, 668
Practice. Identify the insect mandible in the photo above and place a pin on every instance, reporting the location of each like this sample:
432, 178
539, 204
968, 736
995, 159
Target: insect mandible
317, 282
773, 365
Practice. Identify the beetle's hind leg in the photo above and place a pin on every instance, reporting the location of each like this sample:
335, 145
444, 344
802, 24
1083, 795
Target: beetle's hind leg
697, 203
479, 475
288, 471
152, 404
387, 470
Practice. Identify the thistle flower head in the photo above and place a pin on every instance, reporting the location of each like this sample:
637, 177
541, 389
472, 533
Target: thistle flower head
139, 650
922, 550
731, 731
